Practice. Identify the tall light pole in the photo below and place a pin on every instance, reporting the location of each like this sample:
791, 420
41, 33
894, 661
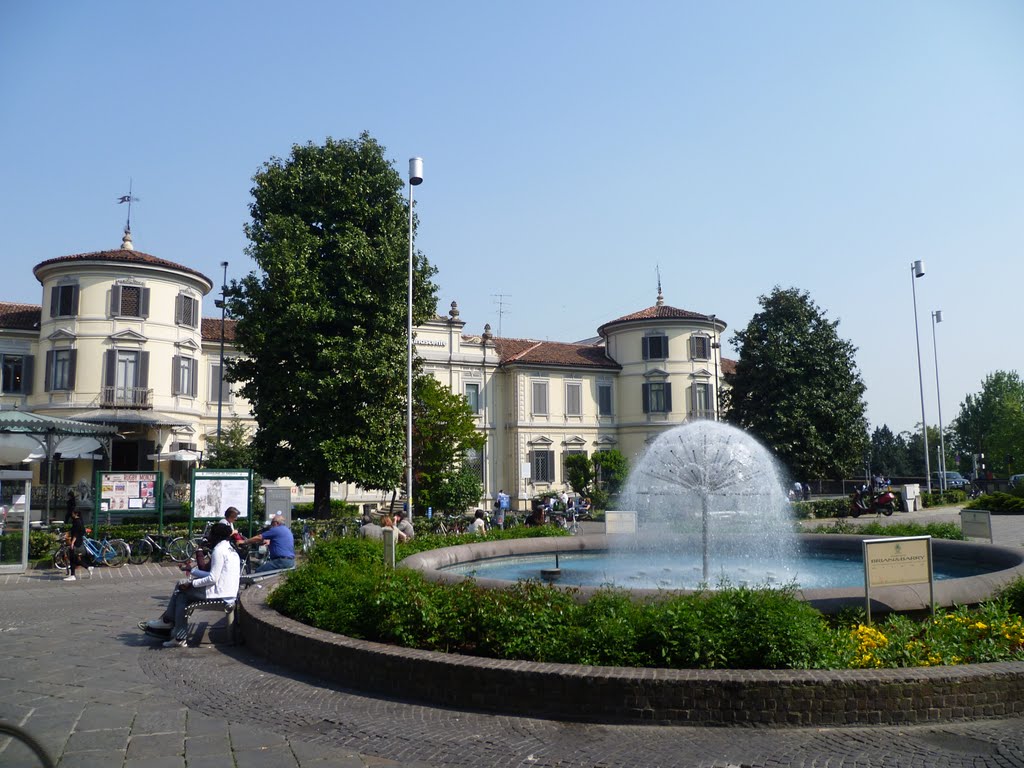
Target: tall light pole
222, 303
715, 346
937, 318
916, 271
415, 179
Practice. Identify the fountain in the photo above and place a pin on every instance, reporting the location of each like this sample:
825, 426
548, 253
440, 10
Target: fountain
718, 477
712, 508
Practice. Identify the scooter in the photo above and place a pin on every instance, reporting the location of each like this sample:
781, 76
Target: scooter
864, 502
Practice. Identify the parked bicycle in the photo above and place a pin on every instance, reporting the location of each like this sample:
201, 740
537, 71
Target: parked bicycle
110, 552
567, 519
450, 524
157, 546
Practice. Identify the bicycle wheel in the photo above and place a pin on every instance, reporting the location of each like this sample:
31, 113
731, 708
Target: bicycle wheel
115, 553
141, 551
62, 558
29, 741
180, 549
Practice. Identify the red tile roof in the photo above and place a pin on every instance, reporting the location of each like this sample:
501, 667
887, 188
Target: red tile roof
20, 316
123, 256
553, 353
211, 329
656, 312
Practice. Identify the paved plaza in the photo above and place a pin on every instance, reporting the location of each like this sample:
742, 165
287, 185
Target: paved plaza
78, 674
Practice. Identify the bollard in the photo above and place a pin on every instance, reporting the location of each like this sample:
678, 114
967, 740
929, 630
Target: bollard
389, 547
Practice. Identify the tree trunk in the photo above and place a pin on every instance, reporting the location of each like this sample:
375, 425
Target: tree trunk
322, 498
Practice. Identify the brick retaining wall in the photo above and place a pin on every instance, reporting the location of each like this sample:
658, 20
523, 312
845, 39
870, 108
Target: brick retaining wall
614, 694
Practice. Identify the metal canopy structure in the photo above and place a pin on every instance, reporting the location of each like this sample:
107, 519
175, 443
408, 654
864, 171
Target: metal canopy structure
25, 436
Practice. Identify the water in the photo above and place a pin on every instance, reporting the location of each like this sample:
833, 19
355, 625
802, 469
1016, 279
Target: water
648, 570
714, 481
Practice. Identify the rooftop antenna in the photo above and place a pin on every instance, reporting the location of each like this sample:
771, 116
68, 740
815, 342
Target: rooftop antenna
501, 308
128, 199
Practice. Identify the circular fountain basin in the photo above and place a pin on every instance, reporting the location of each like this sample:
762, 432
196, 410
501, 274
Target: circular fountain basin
967, 573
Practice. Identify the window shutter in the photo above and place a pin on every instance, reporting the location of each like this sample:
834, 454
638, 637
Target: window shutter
74, 300
144, 310
194, 384
48, 373
668, 397
175, 372
54, 302
27, 371
195, 313
178, 301
115, 299
646, 347
143, 382
73, 357
533, 464
646, 390
110, 368
551, 466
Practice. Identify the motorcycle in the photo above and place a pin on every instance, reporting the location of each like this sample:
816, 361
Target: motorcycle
864, 501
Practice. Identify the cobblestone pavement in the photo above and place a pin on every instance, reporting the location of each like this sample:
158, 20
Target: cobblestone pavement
79, 676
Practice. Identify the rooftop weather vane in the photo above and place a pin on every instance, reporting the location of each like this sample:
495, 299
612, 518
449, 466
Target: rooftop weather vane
128, 199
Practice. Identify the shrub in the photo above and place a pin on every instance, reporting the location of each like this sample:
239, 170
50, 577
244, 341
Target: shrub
1013, 594
998, 503
874, 528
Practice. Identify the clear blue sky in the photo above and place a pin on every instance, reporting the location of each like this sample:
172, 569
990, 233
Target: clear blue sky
570, 149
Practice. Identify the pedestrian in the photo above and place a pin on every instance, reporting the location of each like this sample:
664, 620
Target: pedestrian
369, 529
501, 508
807, 492
76, 545
403, 527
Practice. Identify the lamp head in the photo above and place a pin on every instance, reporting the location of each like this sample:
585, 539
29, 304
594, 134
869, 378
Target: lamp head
918, 267
415, 171
937, 314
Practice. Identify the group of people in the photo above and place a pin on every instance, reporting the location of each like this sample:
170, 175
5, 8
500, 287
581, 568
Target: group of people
399, 524
800, 492
217, 574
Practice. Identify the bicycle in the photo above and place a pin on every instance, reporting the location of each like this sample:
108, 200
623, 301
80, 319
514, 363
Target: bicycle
161, 545
111, 552
308, 536
450, 524
12, 731
566, 519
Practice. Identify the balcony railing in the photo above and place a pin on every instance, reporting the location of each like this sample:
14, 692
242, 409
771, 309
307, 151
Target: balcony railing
701, 413
126, 397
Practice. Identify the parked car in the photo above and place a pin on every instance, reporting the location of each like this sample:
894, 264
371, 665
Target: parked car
1017, 481
954, 480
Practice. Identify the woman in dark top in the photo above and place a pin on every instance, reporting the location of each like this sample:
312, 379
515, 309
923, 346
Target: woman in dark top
76, 540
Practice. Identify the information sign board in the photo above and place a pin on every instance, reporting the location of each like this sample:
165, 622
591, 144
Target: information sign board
897, 562
976, 523
214, 490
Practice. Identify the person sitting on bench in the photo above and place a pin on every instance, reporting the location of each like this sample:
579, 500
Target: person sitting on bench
219, 583
281, 550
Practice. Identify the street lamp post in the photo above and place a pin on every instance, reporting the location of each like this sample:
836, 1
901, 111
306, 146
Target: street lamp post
937, 318
415, 179
715, 347
916, 271
222, 303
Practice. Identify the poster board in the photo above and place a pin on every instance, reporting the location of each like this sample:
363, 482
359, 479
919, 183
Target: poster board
620, 523
214, 490
976, 523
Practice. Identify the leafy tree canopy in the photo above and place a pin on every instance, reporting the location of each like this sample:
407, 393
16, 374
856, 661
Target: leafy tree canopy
579, 472
611, 467
321, 325
233, 450
444, 436
889, 455
992, 422
797, 388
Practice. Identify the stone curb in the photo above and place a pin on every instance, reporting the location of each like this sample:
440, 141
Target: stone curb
621, 695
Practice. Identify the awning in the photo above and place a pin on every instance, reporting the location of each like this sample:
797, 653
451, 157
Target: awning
24, 434
131, 416
70, 447
186, 456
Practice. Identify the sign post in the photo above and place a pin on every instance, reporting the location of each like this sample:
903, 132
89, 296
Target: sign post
977, 523
214, 490
896, 562
128, 491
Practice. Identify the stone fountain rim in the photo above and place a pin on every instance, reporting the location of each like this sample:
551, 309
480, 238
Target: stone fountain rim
1008, 565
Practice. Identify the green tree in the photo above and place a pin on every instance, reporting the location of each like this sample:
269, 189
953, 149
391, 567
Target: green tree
233, 450
611, 468
797, 388
579, 472
992, 422
915, 451
889, 455
444, 436
321, 326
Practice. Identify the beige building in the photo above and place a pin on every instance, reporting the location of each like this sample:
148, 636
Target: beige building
119, 339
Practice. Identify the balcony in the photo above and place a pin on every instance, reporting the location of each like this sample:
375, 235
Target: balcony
126, 397
700, 413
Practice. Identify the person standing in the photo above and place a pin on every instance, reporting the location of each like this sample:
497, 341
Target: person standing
76, 543
404, 528
479, 524
502, 510
71, 503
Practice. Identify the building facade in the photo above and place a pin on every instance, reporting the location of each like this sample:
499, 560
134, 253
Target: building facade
119, 339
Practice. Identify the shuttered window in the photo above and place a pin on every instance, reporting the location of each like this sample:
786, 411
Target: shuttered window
657, 397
